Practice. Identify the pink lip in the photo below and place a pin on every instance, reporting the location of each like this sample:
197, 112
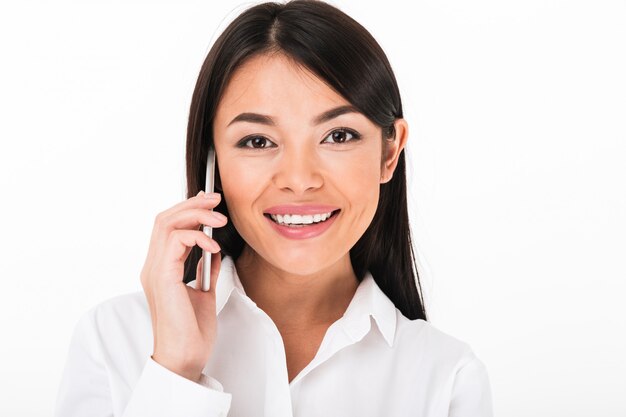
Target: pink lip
303, 209
303, 232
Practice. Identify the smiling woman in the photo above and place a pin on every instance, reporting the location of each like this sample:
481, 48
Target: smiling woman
301, 153
315, 294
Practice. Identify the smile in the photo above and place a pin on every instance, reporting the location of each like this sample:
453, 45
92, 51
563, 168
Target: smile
300, 219
301, 226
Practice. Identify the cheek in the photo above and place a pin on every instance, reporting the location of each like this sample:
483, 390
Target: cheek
359, 176
358, 180
238, 178
241, 185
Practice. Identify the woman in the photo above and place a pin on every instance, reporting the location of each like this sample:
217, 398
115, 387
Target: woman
314, 292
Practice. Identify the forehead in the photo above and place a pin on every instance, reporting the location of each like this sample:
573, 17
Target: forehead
274, 84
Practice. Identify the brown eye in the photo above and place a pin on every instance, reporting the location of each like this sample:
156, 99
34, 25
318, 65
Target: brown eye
258, 142
254, 142
343, 135
339, 136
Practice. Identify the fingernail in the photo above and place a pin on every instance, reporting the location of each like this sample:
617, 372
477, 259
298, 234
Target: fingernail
219, 215
211, 195
199, 192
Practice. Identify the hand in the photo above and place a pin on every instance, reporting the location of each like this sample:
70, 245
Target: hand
184, 321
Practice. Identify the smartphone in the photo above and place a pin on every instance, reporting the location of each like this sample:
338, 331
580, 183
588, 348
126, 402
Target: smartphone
205, 280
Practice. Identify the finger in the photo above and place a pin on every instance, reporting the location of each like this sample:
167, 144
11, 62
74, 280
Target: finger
198, 201
185, 219
174, 253
191, 219
182, 240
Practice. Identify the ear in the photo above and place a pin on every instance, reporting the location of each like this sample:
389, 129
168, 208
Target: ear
393, 147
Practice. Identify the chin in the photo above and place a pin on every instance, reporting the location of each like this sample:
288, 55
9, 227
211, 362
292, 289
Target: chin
303, 263
300, 269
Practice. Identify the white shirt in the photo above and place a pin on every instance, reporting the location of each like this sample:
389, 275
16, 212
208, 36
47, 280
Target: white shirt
373, 361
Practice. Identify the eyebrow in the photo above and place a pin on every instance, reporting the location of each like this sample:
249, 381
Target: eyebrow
267, 120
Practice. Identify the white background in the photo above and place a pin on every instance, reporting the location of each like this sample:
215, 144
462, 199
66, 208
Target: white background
517, 154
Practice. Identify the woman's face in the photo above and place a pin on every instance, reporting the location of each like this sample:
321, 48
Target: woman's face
292, 157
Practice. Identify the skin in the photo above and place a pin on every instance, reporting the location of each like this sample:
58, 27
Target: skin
303, 285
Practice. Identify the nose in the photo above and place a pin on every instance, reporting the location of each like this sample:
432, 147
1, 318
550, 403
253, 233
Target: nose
298, 171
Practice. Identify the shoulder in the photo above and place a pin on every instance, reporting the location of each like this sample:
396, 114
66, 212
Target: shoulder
122, 308
455, 377
431, 345
120, 320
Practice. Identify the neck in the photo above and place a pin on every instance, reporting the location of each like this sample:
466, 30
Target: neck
297, 301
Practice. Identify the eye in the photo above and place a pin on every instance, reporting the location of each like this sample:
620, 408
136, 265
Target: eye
342, 135
254, 142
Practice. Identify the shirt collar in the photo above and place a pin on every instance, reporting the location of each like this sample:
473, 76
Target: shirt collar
368, 300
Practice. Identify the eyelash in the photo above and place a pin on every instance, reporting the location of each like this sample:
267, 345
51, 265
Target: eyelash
355, 136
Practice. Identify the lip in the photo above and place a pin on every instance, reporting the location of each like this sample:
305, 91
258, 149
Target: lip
300, 209
303, 232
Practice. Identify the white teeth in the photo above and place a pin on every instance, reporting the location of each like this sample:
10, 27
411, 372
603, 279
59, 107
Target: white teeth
300, 218
295, 219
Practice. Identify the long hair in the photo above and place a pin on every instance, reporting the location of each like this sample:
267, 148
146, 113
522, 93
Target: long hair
344, 54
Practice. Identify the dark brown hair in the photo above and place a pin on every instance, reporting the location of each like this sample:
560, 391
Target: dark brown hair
344, 54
